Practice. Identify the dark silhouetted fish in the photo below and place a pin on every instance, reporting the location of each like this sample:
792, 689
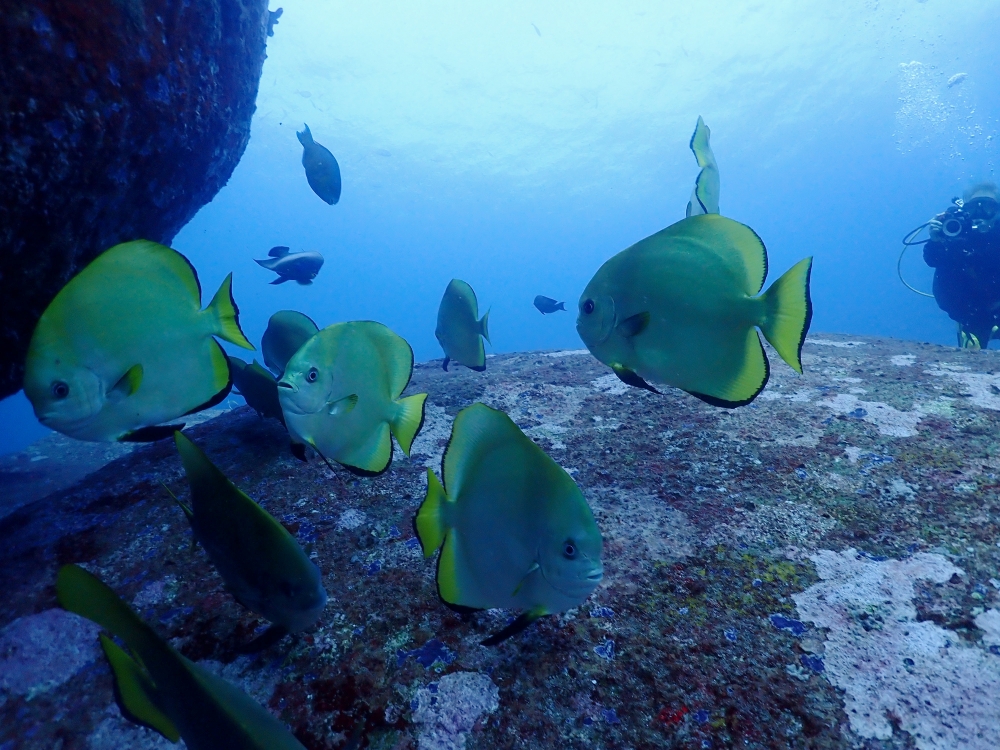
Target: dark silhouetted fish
287, 331
300, 267
257, 386
547, 305
322, 169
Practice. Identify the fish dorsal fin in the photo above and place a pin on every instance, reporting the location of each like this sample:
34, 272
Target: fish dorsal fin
705, 195
134, 692
726, 238
476, 430
396, 355
186, 508
278, 251
630, 377
127, 384
532, 569
634, 325
342, 406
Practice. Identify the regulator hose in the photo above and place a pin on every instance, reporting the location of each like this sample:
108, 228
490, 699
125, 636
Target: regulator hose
908, 242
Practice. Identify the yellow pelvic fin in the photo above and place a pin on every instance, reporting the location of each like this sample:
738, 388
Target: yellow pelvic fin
430, 518
408, 419
134, 692
788, 312
227, 315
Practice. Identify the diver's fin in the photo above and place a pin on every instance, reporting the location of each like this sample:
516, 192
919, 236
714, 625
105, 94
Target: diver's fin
278, 251
227, 315
629, 377
484, 327
151, 434
134, 692
408, 419
186, 508
444, 365
343, 405
521, 623
265, 640
128, 383
788, 312
281, 280
531, 570
299, 451
429, 521
634, 325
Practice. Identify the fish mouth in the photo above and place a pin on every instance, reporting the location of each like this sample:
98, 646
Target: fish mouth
597, 575
289, 386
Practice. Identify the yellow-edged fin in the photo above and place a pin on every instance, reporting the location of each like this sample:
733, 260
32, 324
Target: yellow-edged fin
83, 594
742, 377
408, 419
165, 256
227, 315
725, 237
133, 690
396, 354
430, 520
447, 571
373, 456
705, 196
788, 313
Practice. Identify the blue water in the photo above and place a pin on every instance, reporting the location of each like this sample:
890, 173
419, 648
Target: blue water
518, 148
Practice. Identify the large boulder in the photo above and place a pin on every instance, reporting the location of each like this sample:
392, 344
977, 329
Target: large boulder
119, 119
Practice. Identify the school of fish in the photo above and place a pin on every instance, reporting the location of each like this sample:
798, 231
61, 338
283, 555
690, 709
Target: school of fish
125, 350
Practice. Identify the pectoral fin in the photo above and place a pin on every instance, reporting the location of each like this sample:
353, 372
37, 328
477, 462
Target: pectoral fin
634, 325
531, 570
127, 384
134, 692
342, 405
515, 627
629, 377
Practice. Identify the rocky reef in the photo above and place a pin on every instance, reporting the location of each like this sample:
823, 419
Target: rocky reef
119, 119
816, 570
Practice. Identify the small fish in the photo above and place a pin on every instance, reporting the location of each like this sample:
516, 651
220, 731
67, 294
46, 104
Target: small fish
158, 688
546, 305
459, 329
125, 346
322, 170
287, 330
341, 396
957, 79
705, 195
682, 307
301, 267
514, 529
264, 568
258, 387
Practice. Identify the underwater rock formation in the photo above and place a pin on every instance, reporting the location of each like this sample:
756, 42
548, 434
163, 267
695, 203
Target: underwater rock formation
818, 569
119, 119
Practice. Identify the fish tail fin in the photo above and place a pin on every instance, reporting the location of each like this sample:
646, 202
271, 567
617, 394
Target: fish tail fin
408, 420
484, 327
561, 306
305, 136
134, 692
84, 594
788, 312
227, 315
430, 519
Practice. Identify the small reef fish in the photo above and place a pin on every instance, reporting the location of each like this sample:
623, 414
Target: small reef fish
459, 329
301, 267
258, 387
125, 346
679, 308
158, 688
341, 396
287, 330
705, 195
322, 170
957, 79
546, 305
513, 528
263, 566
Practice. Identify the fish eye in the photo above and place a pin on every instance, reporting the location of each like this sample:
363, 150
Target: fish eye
569, 549
313, 375
588, 307
60, 389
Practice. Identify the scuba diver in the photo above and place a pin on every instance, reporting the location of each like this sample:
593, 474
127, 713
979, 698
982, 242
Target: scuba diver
963, 248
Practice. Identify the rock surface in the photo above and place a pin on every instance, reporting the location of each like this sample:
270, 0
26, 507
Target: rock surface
819, 569
119, 119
